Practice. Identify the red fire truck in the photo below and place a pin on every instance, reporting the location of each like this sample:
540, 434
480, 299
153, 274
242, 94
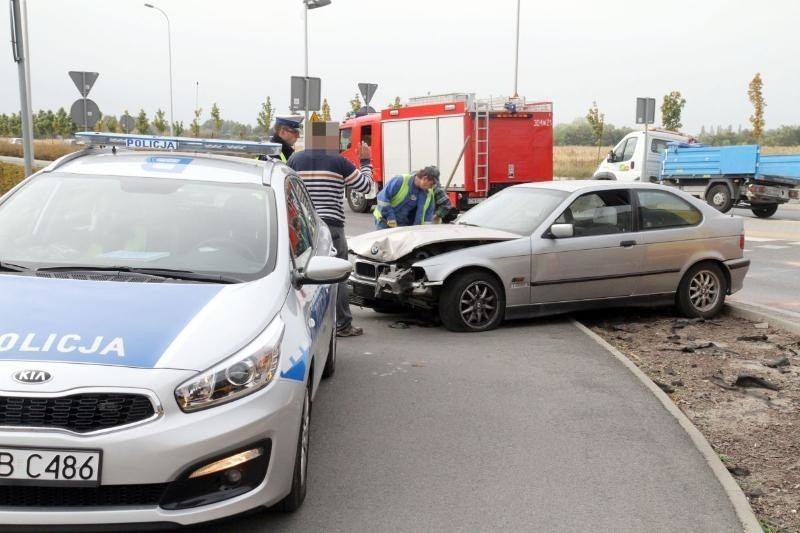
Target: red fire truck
480, 146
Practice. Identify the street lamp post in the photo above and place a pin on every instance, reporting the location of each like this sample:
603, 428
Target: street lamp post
169, 51
516, 54
309, 4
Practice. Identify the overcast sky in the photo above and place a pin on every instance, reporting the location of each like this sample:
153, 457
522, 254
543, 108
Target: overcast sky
571, 52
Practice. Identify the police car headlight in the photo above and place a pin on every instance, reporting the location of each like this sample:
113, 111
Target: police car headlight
251, 369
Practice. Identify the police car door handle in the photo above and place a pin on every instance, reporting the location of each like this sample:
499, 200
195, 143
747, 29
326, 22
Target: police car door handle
627, 244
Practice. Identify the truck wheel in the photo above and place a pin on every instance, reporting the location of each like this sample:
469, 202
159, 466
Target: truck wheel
358, 201
472, 301
719, 197
701, 292
764, 211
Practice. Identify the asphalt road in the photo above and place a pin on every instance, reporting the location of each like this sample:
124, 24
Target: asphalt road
532, 427
773, 246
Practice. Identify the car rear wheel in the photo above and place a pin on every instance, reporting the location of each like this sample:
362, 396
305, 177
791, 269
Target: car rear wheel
472, 301
719, 197
357, 201
702, 290
294, 500
764, 211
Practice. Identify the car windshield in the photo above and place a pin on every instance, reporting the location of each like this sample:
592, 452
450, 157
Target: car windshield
517, 210
100, 222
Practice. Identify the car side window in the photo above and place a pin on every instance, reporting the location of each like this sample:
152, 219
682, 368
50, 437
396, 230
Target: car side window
658, 146
345, 136
301, 234
599, 213
630, 146
662, 209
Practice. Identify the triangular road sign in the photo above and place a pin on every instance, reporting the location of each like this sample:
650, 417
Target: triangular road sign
367, 90
83, 81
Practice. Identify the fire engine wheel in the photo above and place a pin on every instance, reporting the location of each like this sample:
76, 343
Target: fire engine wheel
357, 201
472, 301
702, 290
764, 211
719, 197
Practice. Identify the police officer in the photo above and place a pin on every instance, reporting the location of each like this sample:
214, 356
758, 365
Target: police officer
407, 199
286, 132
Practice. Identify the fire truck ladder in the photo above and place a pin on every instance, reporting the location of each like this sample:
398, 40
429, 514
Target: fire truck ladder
481, 136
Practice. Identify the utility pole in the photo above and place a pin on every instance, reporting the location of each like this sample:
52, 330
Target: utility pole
19, 49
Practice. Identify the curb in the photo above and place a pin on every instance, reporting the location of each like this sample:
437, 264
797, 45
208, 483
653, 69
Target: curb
762, 313
737, 498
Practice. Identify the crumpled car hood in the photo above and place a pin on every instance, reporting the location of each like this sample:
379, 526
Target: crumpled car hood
392, 244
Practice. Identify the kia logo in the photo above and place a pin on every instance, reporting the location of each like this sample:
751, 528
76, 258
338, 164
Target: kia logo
32, 377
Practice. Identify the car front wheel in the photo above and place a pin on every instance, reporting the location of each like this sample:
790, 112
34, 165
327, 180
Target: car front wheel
701, 292
472, 301
295, 498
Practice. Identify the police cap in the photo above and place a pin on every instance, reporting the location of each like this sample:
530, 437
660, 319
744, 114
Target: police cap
289, 122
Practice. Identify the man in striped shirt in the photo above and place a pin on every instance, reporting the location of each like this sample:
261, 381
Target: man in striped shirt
326, 174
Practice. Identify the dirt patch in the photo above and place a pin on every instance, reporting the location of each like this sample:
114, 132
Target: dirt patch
739, 383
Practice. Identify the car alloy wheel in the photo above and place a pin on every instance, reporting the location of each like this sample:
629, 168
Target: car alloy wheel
478, 304
702, 291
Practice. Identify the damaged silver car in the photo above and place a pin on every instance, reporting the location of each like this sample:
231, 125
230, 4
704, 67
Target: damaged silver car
555, 247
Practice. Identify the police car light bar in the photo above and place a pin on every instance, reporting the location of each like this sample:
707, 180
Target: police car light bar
188, 144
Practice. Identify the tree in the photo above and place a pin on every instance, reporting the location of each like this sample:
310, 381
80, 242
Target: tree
216, 119
597, 121
177, 128
159, 122
355, 103
757, 99
671, 110
62, 124
195, 125
43, 123
110, 123
142, 123
98, 126
264, 117
326, 110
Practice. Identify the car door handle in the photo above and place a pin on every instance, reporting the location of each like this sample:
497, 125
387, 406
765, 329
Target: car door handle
627, 244
633, 165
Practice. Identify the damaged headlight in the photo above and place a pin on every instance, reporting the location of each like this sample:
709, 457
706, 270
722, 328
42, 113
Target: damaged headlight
249, 370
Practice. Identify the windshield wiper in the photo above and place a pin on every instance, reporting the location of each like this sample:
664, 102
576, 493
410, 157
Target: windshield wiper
11, 267
164, 273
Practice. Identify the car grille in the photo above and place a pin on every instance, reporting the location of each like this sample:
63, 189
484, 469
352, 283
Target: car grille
367, 270
81, 413
104, 495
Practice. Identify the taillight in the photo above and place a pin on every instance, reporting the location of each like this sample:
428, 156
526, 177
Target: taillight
794, 194
741, 241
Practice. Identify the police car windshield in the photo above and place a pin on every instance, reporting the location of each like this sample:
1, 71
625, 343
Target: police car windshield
517, 210
101, 221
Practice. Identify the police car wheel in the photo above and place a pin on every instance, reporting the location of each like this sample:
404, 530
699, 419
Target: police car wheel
294, 500
472, 301
330, 363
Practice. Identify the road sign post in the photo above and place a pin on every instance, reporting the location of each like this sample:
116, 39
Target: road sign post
645, 114
298, 93
84, 111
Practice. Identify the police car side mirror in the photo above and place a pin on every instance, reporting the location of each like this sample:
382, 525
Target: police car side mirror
322, 270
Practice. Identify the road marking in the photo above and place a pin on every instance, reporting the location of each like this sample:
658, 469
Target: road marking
771, 246
758, 239
795, 243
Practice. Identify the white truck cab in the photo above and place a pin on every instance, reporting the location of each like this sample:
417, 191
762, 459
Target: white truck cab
624, 162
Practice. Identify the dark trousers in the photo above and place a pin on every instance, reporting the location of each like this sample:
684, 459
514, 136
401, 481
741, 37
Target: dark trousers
343, 315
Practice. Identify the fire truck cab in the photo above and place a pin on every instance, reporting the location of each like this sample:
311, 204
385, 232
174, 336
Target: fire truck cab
480, 146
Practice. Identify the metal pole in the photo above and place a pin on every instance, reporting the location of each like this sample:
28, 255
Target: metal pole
516, 54
169, 53
305, 123
19, 48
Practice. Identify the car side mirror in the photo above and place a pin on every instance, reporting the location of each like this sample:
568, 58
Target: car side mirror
322, 270
611, 156
562, 231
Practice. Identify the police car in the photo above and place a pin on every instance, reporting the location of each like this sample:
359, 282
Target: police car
167, 317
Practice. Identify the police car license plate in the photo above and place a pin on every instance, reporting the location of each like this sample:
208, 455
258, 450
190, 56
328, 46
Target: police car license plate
31, 466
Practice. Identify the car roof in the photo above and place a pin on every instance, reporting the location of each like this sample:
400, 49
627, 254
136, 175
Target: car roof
580, 185
159, 164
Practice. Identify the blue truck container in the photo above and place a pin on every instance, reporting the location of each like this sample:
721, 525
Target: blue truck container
727, 176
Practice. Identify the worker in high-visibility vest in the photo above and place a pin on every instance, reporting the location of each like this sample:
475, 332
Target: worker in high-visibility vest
286, 132
407, 200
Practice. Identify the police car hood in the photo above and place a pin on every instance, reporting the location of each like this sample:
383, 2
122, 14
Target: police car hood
187, 326
392, 244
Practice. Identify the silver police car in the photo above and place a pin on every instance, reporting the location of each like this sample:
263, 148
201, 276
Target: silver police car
167, 317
